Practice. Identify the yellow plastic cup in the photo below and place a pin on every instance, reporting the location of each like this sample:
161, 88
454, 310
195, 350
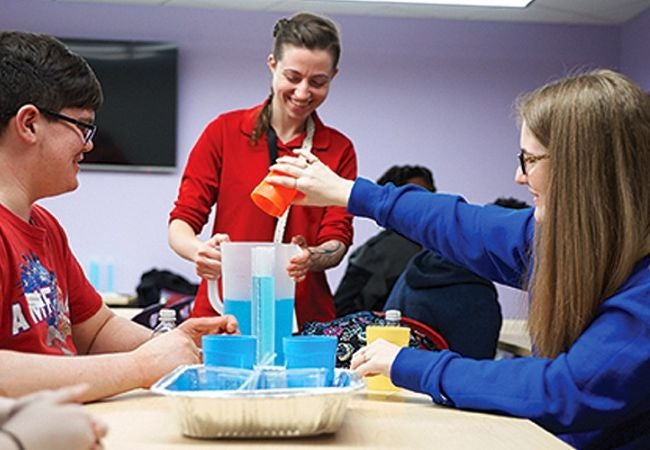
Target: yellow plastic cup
273, 200
396, 335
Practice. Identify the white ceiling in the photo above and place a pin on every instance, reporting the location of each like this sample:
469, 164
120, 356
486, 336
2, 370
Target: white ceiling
604, 12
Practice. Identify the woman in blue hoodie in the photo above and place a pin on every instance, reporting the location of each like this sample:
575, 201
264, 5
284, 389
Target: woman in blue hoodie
583, 254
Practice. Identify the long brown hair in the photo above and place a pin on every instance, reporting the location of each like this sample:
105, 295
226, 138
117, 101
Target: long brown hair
596, 224
302, 30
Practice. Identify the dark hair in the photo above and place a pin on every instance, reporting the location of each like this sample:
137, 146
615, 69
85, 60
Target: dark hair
511, 202
401, 175
302, 30
39, 69
307, 30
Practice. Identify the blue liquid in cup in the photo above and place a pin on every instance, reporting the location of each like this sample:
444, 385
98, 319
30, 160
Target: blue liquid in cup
241, 309
311, 351
221, 350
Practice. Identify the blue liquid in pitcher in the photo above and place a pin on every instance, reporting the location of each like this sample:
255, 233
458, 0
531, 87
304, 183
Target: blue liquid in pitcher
283, 325
241, 309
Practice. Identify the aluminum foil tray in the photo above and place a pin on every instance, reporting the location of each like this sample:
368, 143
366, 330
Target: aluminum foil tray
214, 402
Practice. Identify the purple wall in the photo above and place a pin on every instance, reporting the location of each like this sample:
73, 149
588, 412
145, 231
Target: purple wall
635, 53
431, 92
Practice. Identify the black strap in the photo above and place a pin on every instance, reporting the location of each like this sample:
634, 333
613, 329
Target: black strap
272, 138
13, 438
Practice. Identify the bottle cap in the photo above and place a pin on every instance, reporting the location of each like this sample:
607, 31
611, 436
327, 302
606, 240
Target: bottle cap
393, 315
167, 313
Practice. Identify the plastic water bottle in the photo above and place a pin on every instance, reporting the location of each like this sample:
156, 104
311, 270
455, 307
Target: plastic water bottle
166, 321
393, 317
263, 303
93, 274
110, 276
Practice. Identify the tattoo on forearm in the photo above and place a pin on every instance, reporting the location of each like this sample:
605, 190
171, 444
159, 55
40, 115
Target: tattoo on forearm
326, 255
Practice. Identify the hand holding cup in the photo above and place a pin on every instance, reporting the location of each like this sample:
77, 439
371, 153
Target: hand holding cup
320, 185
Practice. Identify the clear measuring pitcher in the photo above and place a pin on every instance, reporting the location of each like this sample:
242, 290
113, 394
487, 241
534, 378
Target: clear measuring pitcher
237, 284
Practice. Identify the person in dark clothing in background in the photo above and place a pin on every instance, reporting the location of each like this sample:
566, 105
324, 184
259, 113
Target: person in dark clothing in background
374, 267
462, 306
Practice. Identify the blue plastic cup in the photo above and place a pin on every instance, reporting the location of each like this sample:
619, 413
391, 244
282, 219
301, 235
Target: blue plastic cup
302, 352
229, 350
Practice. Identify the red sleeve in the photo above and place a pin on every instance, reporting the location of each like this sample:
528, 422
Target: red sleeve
200, 181
337, 222
83, 300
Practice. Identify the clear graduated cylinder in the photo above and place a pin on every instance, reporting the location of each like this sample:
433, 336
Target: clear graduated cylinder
263, 302
166, 321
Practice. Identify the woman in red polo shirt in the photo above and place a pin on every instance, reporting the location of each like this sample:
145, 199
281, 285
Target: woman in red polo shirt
233, 155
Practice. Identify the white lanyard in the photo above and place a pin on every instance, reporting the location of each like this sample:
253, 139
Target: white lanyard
306, 147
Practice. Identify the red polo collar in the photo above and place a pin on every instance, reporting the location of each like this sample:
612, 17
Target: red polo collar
321, 132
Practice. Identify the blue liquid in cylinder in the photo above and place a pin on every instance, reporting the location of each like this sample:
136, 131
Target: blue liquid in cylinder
264, 316
241, 309
283, 325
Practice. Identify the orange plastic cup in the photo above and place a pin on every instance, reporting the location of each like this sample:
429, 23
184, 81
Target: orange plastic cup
273, 200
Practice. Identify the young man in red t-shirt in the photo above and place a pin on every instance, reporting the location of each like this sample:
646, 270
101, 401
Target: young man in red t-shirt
49, 312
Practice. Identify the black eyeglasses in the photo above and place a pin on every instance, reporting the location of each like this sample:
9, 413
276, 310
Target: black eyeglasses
88, 130
526, 160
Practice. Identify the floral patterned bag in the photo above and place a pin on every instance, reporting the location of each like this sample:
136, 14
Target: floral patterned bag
351, 333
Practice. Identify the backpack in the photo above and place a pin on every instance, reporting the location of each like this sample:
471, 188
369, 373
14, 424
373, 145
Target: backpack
156, 282
351, 333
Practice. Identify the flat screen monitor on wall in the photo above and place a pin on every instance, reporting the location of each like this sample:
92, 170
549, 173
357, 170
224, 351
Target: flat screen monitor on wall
136, 126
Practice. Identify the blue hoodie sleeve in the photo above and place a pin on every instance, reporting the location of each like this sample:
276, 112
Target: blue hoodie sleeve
601, 380
492, 242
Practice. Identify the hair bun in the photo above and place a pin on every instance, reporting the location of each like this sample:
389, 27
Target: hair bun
279, 26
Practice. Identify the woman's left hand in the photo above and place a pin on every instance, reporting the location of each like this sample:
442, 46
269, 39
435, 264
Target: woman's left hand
375, 359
